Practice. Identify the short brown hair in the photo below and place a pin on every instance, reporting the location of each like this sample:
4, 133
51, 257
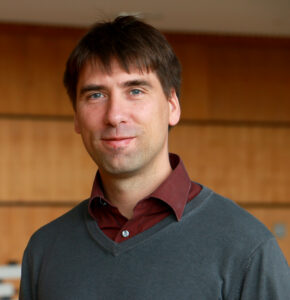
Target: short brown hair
133, 43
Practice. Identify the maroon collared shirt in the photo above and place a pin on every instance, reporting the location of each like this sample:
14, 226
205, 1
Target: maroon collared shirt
169, 198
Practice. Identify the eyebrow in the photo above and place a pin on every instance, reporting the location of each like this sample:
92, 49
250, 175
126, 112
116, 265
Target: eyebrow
91, 87
137, 82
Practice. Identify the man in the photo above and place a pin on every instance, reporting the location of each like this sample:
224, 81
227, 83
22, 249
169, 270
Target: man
147, 231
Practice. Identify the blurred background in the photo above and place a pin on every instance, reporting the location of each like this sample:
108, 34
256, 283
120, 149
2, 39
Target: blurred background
234, 135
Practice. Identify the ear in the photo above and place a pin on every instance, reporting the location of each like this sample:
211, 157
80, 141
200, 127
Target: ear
174, 108
76, 124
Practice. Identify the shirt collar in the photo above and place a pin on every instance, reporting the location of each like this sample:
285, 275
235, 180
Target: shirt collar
173, 191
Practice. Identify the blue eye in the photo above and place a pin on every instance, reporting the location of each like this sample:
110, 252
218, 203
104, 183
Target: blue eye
135, 92
96, 95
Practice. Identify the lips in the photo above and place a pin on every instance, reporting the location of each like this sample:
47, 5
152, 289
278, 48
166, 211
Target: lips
117, 142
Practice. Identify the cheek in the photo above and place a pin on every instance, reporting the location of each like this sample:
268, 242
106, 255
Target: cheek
89, 119
161, 114
153, 111
156, 121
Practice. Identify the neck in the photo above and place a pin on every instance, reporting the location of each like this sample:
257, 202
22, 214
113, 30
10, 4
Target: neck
125, 192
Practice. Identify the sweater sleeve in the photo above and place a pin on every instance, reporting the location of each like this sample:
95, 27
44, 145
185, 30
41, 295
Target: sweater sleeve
268, 274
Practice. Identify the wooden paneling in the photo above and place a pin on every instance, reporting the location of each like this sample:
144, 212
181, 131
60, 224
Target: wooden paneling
32, 63
247, 164
17, 225
249, 83
277, 220
234, 78
194, 100
43, 161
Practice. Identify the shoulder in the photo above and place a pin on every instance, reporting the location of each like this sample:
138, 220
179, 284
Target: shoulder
229, 229
61, 226
245, 252
232, 219
41, 246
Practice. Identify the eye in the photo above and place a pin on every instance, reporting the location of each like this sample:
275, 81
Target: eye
136, 92
96, 95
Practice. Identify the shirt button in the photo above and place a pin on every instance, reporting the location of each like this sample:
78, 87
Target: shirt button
102, 202
125, 233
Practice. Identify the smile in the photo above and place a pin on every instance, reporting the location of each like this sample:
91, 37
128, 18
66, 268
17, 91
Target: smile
119, 142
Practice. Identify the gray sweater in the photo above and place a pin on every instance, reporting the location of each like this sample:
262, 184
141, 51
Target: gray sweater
216, 251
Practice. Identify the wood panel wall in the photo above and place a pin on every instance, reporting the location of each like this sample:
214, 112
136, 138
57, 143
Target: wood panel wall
234, 134
234, 78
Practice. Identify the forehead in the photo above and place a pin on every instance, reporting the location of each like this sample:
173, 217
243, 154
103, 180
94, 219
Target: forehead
94, 70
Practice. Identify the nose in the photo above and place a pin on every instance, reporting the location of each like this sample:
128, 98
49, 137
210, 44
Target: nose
116, 110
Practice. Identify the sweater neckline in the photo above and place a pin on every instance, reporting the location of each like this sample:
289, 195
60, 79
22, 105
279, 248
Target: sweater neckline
116, 249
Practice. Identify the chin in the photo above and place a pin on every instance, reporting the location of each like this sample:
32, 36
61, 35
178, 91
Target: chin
120, 172
122, 168
121, 164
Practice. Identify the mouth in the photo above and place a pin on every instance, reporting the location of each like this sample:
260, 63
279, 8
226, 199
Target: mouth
117, 142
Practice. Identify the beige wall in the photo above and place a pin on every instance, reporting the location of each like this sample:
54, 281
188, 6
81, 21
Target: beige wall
234, 135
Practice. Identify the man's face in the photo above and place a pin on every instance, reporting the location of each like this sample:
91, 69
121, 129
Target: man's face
123, 119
